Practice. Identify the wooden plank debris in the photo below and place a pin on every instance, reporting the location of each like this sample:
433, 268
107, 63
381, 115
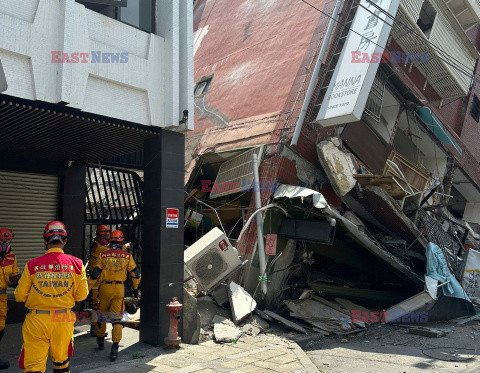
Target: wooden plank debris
285, 322
386, 182
350, 305
331, 305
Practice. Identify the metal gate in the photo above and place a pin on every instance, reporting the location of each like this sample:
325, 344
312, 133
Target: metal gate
115, 199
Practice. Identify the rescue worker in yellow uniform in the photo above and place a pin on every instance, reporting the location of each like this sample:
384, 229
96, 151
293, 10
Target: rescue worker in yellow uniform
111, 270
102, 236
9, 278
50, 285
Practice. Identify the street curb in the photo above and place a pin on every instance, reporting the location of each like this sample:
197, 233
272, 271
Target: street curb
303, 357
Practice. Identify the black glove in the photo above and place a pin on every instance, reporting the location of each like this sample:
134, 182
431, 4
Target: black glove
135, 293
13, 281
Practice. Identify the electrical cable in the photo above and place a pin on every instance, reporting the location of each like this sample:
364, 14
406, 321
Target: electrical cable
384, 48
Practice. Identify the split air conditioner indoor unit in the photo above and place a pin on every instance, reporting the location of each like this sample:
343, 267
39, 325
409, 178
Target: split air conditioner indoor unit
211, 259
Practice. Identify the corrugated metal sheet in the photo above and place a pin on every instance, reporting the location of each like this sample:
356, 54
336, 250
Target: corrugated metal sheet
41, 130
28, 202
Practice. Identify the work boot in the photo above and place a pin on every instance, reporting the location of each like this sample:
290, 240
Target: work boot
4, 364
101, 343
114, 352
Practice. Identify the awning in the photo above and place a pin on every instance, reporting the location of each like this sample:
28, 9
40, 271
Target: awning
35, 129
435, 125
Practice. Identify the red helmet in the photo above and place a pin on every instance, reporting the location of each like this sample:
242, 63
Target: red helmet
102, 229
55, 228
117, 236
6, 234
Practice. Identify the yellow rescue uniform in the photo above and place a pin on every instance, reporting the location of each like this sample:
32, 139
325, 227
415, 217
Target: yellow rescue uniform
111, 271
95, 252
9, 269
50, 285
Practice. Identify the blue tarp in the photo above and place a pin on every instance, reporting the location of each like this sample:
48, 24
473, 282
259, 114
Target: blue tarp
435, 125
437, 268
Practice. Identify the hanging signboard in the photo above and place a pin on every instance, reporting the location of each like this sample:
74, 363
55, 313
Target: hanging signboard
357, 66
471, 275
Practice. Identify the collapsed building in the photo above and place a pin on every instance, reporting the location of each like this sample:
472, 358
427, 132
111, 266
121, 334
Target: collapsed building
349, 200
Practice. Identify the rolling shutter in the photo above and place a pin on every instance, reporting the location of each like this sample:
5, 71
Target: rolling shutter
27, 203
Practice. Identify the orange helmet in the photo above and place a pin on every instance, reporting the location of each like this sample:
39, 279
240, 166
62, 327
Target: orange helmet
102, 229
55, 229
6, 234
117, 236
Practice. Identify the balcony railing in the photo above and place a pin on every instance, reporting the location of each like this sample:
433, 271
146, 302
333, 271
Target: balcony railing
451, 56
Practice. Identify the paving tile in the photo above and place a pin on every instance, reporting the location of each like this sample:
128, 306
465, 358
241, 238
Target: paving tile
266, 365
291, 367
249, 359
283, 359
233, 363
265, 355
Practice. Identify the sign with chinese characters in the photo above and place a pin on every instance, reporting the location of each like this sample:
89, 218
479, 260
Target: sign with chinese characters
351, 82
471, 275
271, 244
172, 218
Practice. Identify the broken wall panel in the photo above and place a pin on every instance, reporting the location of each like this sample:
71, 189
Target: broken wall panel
375, 204
367, 146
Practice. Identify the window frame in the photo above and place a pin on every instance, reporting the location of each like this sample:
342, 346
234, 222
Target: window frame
475, 108
208, 82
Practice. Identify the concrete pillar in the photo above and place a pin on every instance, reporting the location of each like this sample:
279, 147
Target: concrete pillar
162, 258
71, 209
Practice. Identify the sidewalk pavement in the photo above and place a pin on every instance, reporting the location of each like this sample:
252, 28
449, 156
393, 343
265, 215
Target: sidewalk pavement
262, 353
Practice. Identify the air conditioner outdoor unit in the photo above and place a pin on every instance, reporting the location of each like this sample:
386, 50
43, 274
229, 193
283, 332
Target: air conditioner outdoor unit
211, 259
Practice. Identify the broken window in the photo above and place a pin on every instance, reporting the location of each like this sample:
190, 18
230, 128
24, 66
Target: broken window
475, 108
426, 18
202, 87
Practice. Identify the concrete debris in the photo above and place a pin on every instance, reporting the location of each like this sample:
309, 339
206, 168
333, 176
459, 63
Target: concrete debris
468, 319
208, 308
285, 322
251, 329
241, 303
320, 315
191, 319
205, 335
220, 294
218, 319
337, 164
225, 333
427, 332
261, 323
